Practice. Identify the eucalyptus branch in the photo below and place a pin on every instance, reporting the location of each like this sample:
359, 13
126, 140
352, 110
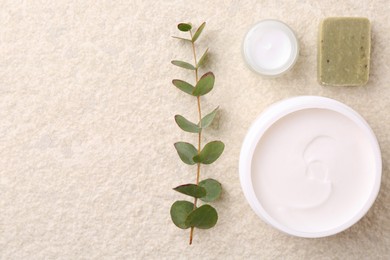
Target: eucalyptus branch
185, 214
200, 130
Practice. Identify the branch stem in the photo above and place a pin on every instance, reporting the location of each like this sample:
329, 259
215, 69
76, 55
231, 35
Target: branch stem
200, 131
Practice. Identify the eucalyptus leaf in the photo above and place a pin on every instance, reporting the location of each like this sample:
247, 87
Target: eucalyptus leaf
204, 217
213, 190
180, 38
208, 119
202, 59
183, 86
186, 152
210, 153
204, 85
186, 125
183, 64
184, 27
179, 213
198, 32
192, 190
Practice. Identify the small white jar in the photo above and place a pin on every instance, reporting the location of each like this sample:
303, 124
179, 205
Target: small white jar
310, 166
270, 48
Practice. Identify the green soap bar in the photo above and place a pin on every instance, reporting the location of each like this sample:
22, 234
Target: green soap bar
344, 51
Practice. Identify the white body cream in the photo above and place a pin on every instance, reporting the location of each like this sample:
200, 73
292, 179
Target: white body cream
270, 48
310, 166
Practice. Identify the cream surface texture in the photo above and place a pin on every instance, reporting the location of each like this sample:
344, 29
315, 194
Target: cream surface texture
313, 170
87, 162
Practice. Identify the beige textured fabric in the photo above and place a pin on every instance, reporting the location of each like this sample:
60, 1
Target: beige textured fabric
86, 132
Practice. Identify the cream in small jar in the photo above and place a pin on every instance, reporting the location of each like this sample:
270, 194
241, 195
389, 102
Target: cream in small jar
270, 48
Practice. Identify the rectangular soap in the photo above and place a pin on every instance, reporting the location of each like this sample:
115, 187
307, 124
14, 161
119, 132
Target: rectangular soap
344, 45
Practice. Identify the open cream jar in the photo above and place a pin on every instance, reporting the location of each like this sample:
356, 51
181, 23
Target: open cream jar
310, 166
270, 48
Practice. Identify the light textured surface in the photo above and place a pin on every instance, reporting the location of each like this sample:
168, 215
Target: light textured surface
86, 131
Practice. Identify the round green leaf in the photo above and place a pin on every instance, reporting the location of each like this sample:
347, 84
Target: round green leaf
179, 212
183, 64
184, 27
208, 119
213, 189
186, 125
186, 152
198, 32
210, 153
204, 85
203, 217
191, 190
183, 86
